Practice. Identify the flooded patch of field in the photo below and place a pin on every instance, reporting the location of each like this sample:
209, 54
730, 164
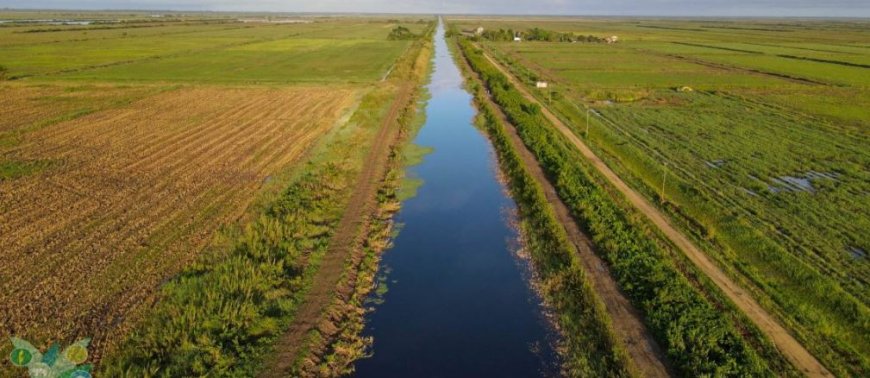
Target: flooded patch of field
802, 183
857, 253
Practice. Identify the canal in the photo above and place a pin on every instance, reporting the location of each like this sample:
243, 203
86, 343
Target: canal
459, 302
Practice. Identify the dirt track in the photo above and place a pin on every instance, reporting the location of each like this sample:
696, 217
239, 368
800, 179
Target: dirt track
347, 238
785, 342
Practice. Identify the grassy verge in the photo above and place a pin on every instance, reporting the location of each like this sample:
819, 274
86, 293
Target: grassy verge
699, 338
588, 345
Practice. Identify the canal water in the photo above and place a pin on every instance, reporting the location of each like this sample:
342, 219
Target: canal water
459, 302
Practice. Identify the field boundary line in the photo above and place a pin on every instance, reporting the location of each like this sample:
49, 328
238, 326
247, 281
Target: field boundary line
784, 341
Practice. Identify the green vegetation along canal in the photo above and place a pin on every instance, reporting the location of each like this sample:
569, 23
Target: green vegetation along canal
459, 303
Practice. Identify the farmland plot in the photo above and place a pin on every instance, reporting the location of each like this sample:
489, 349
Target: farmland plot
135, 193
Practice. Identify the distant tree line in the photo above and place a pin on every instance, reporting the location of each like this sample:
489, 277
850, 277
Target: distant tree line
537, 34
396, 21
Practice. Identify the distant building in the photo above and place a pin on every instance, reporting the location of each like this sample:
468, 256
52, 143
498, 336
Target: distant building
611, 39
542, 84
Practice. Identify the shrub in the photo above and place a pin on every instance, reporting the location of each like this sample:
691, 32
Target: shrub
401, 33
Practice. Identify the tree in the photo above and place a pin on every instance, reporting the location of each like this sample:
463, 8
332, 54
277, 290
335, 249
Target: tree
401, 33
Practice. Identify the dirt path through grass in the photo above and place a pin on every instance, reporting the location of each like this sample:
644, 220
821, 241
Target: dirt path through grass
783, 340
347, 238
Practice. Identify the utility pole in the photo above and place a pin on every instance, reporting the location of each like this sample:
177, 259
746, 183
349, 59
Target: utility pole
587, 122
664, 178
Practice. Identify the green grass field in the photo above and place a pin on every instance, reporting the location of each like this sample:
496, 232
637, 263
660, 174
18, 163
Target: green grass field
766, 156
322, 51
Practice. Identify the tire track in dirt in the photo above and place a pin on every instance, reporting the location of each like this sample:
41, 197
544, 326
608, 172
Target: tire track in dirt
784, 341
347, 237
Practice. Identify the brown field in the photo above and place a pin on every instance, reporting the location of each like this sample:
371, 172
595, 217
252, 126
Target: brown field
23, 106
134, 193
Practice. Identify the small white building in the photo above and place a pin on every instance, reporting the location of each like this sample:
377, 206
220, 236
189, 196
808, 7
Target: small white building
542, 84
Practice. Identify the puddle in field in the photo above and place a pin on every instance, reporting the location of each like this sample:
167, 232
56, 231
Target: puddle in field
715, 163
749, 192
803, 183
456, 300
857, 253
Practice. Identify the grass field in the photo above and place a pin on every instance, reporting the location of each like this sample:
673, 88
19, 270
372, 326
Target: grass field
766, 156
355, 50
127, 148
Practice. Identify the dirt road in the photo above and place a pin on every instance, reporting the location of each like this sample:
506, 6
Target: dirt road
785, 342
348, 237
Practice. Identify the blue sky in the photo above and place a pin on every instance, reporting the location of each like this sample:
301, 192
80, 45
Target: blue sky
766, 8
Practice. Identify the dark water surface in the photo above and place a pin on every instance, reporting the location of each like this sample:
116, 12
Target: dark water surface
459, 303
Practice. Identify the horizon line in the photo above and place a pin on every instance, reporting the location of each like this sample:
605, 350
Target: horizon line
436, 13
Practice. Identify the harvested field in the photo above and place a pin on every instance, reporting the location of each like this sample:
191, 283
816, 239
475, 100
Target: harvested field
135, 193
26, 106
